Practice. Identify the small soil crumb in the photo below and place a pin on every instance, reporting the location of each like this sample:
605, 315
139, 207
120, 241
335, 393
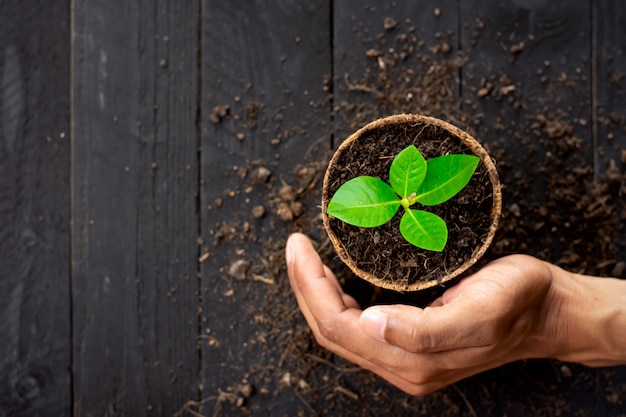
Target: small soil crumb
220, 113
515, 210
390, 23
297, 208
284, 212
258, 212
437, 12
240, 136
287, 193
261, 175
373, 53
516, 49
246, 390
507, 89
239, 269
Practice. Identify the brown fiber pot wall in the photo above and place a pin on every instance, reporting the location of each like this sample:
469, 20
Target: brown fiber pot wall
473, 145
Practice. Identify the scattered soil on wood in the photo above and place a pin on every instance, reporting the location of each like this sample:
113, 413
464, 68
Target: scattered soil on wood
383, 251
553, 209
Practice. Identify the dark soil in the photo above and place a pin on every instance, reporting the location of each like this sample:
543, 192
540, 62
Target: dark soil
382, 251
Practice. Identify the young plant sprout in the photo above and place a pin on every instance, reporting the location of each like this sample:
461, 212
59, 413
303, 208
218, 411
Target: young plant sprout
370, 202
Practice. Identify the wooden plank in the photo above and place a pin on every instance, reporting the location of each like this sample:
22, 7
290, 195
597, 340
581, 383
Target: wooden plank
609, 44
134, 197
384, 50
528, 79
34, 216
609, 59
529, 71
265, 65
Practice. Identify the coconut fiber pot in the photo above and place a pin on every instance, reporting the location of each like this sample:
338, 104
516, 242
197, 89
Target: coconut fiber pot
380, 254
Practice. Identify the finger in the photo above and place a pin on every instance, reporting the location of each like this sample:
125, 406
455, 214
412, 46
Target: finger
347, 298
334, 324
430, 330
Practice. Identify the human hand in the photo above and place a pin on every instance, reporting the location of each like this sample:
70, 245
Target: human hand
511, 309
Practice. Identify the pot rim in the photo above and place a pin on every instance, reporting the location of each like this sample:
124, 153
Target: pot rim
476, 148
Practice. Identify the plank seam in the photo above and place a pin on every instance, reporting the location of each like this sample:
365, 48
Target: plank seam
72, 225
594, 91
198, 186
331, 36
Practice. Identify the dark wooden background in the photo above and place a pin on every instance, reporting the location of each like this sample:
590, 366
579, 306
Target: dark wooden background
110, 169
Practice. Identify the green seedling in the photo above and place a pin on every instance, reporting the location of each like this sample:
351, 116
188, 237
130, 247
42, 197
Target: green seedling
370, 202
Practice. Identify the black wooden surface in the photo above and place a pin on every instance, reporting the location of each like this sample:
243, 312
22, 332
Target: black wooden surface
126, 196
134, 204
275, 81
35, 296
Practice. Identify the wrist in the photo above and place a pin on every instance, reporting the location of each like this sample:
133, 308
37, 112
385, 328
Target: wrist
584, 320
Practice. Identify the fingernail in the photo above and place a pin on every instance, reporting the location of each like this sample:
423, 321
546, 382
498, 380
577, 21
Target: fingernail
289, 251
374, 323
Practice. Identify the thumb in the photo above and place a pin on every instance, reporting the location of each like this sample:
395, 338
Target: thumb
429, 330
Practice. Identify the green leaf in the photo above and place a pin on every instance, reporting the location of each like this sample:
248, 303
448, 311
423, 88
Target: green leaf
445, 177
423, 229
365, 202
407, 172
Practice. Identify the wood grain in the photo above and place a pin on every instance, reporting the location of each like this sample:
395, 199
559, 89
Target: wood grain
395, 43
267, 65
128, 144
135, 181
609, 59
35, 333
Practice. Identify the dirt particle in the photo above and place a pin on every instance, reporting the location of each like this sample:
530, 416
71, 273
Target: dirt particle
284, 212
483, 92
390, 23
303, 385
517, 48
297, 208
220, 113
239, 269
507, 89
437, 12
240, 136
246, 390
515, 210
623, 156
261, 175
258, 212
287, 193
613, 398
285, 381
